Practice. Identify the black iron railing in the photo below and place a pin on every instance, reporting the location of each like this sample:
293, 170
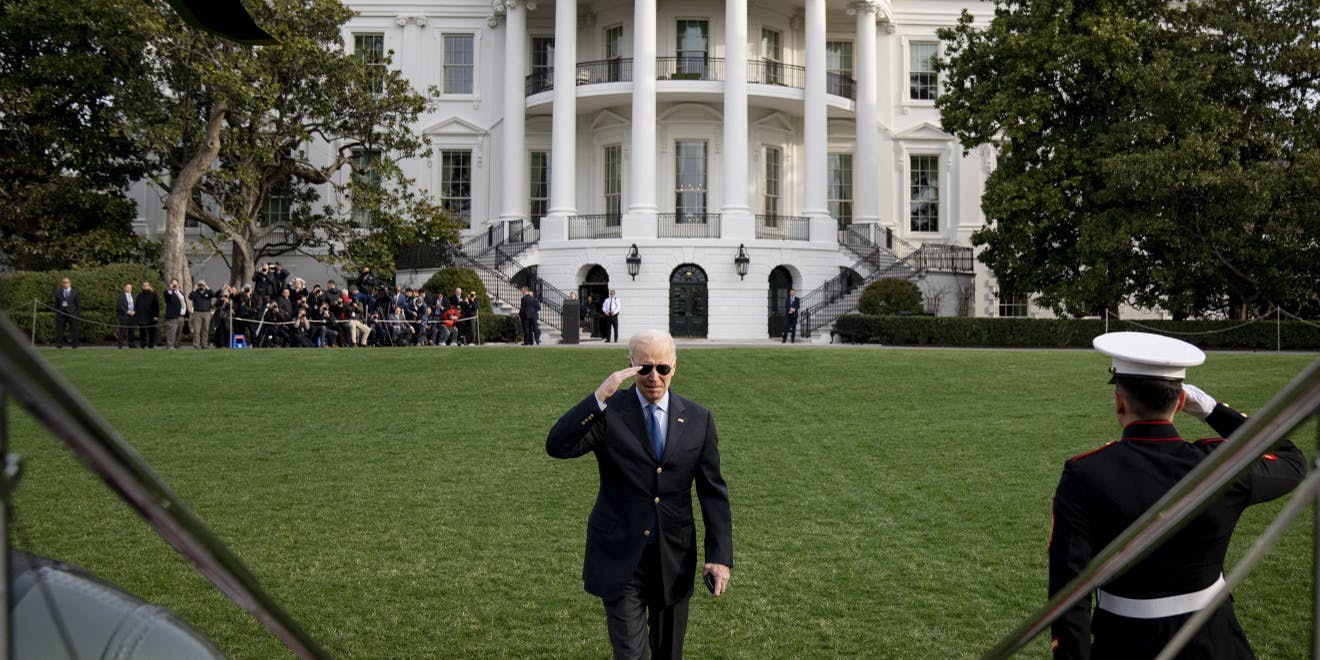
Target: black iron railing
605, 71
783, 227
840, 85
595, 226
540, 80
689, 67
688, 225
767, 72
839, 295
942, 257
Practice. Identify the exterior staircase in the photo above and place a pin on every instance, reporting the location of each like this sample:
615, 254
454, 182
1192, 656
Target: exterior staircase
840, 295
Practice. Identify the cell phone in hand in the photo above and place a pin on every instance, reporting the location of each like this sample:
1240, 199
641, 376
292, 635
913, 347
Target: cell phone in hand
709, 579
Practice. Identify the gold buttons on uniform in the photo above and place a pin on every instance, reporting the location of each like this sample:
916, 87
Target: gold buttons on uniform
646, 533
659, 470
657, 500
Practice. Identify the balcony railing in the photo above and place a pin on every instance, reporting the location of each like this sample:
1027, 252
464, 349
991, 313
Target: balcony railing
688, 225
594, 226
938, 256
783, 227
767, 72
840, 85
604, 71
540, 80
689, 67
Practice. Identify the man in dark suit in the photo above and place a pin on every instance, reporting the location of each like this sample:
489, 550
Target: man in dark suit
148, 316
68, 311
529, 312
126, 316
1103, 491
791, 317
651, 446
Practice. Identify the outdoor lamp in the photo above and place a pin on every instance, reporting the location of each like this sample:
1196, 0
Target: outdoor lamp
740, 262
634, 261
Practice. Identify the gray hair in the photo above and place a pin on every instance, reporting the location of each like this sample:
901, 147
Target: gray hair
649, 337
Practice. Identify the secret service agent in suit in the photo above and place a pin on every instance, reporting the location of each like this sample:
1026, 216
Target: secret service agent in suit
68, 310
1103, 491
641, 540
791, 316
148, 316
126, 316
529, 311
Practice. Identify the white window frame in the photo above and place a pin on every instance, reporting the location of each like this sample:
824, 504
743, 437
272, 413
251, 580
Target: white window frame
442, 63
941, 192
906, 81
472, 176
384, 55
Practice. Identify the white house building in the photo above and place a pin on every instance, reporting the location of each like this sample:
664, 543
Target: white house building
700, 158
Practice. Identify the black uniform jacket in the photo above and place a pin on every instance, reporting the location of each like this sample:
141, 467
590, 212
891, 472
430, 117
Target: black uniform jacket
1103, 491
637, 490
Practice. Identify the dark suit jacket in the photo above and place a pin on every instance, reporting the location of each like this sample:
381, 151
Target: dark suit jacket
148, 308
75, 302
635, 488
121, 307
530, 308
791, 309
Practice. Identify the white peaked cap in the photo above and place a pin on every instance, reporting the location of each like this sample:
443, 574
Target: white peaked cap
1146, 355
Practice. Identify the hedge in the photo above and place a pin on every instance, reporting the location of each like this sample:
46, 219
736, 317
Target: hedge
1069, 333
100, 288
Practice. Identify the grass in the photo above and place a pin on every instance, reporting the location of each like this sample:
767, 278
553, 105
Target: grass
399, 503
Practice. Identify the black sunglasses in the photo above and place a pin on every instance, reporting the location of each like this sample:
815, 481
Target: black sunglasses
664, 369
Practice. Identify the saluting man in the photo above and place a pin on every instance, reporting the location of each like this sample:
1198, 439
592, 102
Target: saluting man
651, 445
1103, 491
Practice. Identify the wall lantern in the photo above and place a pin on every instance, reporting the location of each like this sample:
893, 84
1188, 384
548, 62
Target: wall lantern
740, 262
634, 261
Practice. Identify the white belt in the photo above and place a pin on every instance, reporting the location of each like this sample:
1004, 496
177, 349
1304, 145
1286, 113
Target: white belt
1158, 608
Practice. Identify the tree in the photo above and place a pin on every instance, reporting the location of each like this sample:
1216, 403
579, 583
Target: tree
72, 88
1152, 153
263, 131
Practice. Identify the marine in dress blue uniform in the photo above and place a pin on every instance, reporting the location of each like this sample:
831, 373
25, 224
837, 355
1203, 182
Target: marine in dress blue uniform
1103, 491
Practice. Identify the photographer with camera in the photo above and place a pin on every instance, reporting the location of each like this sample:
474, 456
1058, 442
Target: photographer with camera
366, 282
202, 299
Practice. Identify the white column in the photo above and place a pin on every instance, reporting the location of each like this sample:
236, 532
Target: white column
815, 204
639, 222
867, 159
737, 220
563, 137
514, 157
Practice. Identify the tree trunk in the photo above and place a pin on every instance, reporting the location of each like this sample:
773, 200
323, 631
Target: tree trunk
180, 195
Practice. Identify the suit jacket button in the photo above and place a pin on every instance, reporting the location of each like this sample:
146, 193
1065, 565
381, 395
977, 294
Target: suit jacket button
646, 533
659, 470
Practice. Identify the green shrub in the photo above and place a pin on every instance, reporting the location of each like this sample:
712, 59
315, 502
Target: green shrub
890, 296
448, 279
100, 288
1261, 335
500, 328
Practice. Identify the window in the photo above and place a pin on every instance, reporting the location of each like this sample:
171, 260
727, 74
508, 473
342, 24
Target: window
923, 82
543, 64
366, 178
370, 50
456, 183
772, 56
839, 68
774, 163
693, 41
690, 180
540, 179
457, 69
924, 193
840, 186
613, 185
276, 209
614, 53
1012, 303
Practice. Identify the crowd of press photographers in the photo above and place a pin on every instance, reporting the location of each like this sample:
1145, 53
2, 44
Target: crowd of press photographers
278, 310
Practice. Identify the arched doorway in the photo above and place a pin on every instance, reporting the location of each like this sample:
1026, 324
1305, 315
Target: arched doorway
781, 281
592, 291
688, 309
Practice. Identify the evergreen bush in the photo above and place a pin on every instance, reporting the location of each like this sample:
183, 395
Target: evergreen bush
890, 296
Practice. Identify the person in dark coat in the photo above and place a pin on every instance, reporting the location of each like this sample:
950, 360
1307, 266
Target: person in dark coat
126, 316
651, 447
1104, 491
68, 313
148, 316
529, 312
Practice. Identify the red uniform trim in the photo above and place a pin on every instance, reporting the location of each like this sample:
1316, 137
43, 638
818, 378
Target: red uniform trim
1093, 451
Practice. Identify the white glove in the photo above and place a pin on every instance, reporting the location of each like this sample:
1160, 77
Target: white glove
1199, 404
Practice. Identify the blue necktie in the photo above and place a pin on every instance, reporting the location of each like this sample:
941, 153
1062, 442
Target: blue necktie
657, 431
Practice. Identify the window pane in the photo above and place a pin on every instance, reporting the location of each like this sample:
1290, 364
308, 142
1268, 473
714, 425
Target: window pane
838, 57
839, 184
924, 193
773, 169
613, 185
614, 42
458, 64
923, 82
690, 177
540, 181
456, 183
367, 178
370, 50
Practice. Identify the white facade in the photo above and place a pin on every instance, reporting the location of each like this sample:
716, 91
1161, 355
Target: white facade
691, 130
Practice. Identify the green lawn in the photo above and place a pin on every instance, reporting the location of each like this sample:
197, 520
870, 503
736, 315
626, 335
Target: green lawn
887, 503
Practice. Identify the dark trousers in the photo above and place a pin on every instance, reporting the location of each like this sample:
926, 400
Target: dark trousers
126, 327
642, 607
1121, 638
148, 335
62, 321
610, 325
790, 329
529, 332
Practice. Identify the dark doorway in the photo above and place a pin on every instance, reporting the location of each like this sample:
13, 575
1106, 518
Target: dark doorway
781, 281
592, 293
688, 297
